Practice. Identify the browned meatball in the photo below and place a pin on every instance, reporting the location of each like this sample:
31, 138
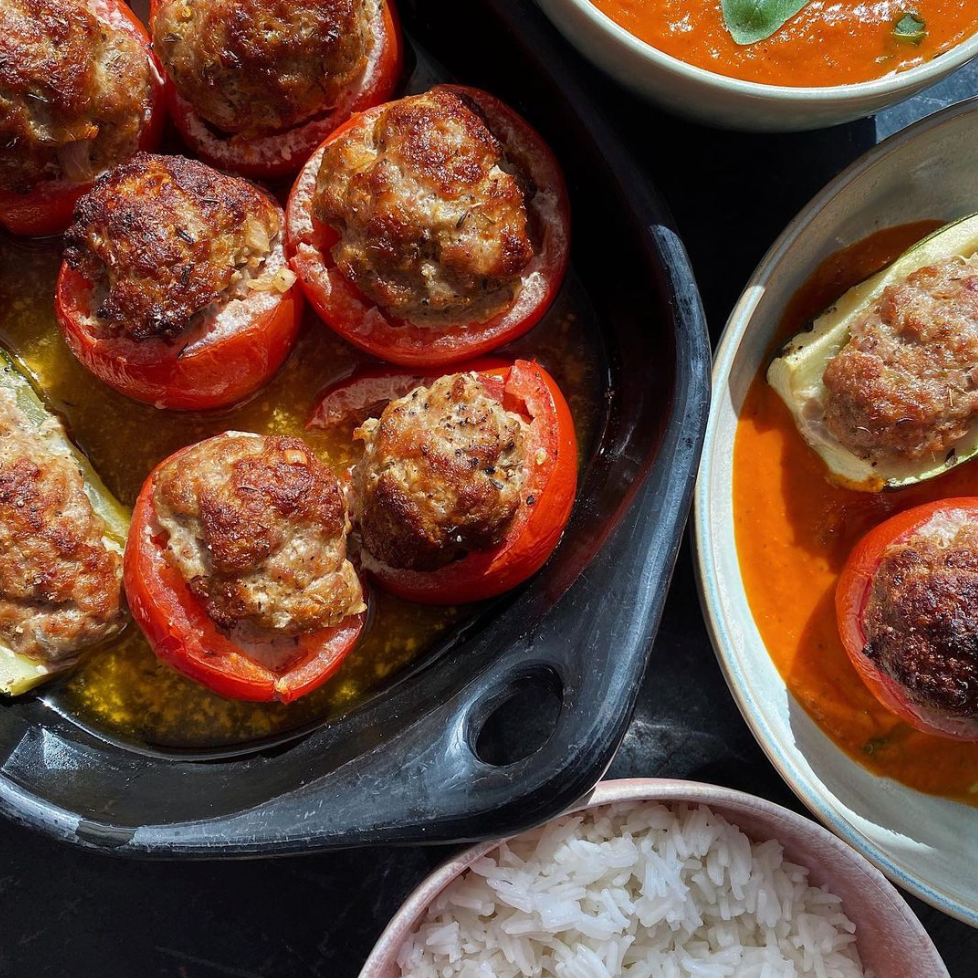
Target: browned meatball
60, 583
163, 238
432, 216
906, 384
440, 475
74, 92
257, 527
920, 622
258, 66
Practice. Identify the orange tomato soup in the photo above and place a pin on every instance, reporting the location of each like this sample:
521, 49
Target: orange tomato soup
830, 42
794, 531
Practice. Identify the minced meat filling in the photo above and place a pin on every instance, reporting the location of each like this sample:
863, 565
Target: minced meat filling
163, 238
432, 216
906, 384
257, 526
60, 584
440, 475
261, 66
74, 93
920, 623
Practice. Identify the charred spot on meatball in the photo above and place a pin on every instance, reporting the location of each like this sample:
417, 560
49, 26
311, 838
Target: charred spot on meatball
905, 386
74, 93
262, 66
440, 476
163, 238
60, 584
432, 216
920, 622
257, 527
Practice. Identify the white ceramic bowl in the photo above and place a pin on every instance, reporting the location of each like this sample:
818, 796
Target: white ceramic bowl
728, 102
892, 943
925, 843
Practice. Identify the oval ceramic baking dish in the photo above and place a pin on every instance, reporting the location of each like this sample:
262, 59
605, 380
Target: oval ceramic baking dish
405, 765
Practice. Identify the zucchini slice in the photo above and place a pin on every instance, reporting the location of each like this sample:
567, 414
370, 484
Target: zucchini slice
796, 374
19, 673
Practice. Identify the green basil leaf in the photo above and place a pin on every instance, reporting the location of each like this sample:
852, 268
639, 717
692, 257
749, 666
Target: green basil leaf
910, 28
750, 21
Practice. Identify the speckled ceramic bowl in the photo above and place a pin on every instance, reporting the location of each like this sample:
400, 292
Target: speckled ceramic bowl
924, 843
729, 102
892, 942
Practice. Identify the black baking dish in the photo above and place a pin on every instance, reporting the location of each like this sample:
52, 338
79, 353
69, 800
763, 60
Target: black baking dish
404, 767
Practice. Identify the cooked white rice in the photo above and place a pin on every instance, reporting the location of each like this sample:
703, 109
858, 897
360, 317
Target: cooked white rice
636, 890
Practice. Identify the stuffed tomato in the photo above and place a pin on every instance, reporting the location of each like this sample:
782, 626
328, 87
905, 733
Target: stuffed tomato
432, 229
89, 64
236, 567
254, 87
905, 606
175, 290
467, 480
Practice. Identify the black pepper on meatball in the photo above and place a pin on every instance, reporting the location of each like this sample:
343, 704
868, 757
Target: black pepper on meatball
920, 623
257, 526
74, 92
163, 238
261, 66
440, 475
431, 214
906, 384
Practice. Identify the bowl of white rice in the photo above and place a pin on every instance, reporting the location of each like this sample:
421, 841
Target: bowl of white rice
659, 879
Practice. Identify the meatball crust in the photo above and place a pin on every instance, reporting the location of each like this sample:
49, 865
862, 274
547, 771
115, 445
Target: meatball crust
920, 622
60, 584
74, 92
440, 475
906, 384
163, 238
258, 527
261, 66
432, 216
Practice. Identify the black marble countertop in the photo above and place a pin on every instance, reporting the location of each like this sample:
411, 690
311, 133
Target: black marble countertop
64, 912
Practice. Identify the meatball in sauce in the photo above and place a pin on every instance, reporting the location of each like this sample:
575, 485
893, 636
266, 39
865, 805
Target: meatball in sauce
920, 622
166, 239
60, 581
263, 66
257, 527
440, 475
906, 384
432, 216
75, 92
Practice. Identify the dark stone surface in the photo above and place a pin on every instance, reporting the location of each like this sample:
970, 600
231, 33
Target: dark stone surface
64, 912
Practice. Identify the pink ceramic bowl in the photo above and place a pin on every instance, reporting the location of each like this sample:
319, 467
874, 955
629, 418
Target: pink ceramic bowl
892, 942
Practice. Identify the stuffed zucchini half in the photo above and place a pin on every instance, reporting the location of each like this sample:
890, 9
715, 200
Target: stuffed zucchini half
798, 374
63, 534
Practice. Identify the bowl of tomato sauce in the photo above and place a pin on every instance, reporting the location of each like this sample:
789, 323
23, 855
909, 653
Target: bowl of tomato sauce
785, 542
772, 65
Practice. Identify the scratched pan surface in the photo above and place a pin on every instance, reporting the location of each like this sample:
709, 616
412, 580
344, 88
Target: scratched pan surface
412, 765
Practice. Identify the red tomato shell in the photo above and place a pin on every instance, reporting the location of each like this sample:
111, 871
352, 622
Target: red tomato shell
281, 155
547, 495
210, 372
183, 636
364, 324
852, 596
48, 208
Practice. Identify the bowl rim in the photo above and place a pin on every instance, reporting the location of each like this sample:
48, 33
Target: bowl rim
823, 95
711, 603
625, 790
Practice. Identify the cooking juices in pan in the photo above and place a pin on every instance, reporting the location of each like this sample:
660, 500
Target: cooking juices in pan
124, 691
795, 531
